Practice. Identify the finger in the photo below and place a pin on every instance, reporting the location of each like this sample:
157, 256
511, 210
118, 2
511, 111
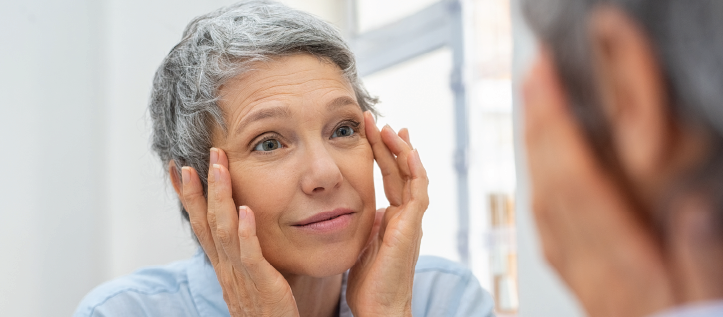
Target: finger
418, 186
398, 147
227, 220
408, 219
250, 258
195, 204
220, 201
393, 182
404, 134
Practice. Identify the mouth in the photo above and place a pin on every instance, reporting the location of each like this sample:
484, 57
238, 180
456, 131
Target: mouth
326, 221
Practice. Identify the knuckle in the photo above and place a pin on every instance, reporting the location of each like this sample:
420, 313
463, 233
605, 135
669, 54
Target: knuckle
250, 262
198, 227
244, 234
224, 235
211, 218
387, 172
226, 280
191, 195
216, 195
195, 223
425, 202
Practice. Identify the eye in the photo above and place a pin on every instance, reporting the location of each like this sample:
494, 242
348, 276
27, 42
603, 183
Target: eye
343, 131
268, 145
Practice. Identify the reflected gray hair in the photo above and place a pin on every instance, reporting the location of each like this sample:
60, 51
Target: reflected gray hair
688, 39
219, 46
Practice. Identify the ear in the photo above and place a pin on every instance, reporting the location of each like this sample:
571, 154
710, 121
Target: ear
174, 174
632, 89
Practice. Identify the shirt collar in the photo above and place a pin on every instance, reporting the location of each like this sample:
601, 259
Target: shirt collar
208, 296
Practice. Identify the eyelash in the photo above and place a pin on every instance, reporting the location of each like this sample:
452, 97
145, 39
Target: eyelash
275, 136
272, 136
349, 122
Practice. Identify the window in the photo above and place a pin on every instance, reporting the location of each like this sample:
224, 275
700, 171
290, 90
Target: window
443, 70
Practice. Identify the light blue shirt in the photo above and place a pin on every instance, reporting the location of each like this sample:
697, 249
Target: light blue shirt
190, 288
709, 309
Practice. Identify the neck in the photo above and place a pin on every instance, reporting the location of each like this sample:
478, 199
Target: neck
696, 252
316, 296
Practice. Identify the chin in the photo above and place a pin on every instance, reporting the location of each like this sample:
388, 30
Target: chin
324, 261
333, 261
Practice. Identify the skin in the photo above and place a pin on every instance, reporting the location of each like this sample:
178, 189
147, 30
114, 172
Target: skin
591, 229
311, 173
319, 157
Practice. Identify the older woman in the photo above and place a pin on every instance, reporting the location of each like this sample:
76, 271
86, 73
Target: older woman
260, 106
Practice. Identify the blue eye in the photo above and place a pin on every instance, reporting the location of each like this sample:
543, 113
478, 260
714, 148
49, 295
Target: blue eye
343, 131
268, 145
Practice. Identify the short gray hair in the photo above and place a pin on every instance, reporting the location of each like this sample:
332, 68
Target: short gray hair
219, 46
688, 40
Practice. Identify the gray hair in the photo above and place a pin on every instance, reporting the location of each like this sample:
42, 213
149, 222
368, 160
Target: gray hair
219, 46
688, 40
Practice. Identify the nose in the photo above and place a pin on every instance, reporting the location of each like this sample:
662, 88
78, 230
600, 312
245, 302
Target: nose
320, 172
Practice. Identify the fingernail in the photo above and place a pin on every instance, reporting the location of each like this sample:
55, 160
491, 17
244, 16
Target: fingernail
185, 174
214, 156
242, 212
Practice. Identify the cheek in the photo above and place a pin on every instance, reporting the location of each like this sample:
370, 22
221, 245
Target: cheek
358, 168
265, 191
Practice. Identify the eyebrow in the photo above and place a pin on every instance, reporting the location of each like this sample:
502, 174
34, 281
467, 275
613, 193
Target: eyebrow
265, 113
341, 102
285, 111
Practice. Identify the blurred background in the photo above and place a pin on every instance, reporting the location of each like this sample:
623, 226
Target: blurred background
83, 200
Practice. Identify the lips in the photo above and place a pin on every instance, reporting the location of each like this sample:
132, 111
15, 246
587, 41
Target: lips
324, 216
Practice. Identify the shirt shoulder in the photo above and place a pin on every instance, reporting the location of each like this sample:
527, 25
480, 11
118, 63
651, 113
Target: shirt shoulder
150, 291
701, 309
446, 288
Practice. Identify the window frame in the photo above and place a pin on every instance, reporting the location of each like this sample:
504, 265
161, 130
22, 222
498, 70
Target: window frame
436, 26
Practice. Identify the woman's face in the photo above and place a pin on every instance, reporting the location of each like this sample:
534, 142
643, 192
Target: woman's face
298, 156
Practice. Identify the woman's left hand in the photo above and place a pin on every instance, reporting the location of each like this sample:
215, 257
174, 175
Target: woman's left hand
380, 283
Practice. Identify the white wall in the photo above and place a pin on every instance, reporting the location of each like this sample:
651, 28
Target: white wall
49, 195
82, 198
541, 291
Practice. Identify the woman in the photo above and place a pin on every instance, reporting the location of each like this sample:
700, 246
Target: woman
259, 106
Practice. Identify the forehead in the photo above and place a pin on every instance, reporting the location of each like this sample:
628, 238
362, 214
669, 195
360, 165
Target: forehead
299, 76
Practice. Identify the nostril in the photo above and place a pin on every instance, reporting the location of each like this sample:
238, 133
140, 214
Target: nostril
318, 189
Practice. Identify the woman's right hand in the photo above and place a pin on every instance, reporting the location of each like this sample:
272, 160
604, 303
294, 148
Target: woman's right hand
251, 286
